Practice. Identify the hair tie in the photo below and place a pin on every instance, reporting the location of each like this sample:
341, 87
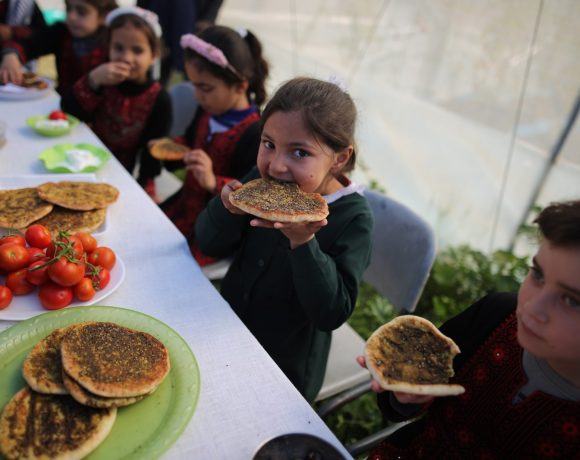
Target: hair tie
148, 16
209, 52
242, 32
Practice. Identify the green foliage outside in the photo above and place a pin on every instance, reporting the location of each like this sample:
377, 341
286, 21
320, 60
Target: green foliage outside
460, 276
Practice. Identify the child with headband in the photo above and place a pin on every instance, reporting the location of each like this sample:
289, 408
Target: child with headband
292, 284
119, 99
78, 44
228, 73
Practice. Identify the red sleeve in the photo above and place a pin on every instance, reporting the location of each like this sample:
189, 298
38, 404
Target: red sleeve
19, 32
16, 46
220, 183
85, 96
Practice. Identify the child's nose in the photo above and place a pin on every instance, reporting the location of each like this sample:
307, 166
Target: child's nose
278, 164
538, 306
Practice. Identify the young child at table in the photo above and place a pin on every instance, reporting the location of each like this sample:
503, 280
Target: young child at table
78, 44
119, 99
228, 72
519, 364
292, 284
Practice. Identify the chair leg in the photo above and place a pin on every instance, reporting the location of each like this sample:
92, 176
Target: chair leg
340, 400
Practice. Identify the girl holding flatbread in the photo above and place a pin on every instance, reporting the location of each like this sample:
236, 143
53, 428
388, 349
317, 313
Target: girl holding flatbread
519, 364
293, 282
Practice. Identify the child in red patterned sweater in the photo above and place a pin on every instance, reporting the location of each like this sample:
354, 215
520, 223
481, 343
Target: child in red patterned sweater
228, 72
519, 364
119, 99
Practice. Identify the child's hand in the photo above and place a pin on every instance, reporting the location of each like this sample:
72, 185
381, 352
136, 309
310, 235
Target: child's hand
11, 69
225, 196
403, 398
109, 74
298, 233
201, 166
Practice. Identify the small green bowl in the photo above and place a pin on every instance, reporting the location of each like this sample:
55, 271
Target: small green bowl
57, 154
51, 132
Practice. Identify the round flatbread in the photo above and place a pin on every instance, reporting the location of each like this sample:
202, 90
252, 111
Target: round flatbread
37, 426
168, 150
62, 219
42, 368
114, 361
83, 396
278, 201
20, 207
409, 354
81, 196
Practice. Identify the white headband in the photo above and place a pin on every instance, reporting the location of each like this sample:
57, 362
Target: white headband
148, 16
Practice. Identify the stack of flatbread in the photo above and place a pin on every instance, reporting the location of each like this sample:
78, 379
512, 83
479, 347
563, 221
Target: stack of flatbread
409, 354
68, 205
77, 376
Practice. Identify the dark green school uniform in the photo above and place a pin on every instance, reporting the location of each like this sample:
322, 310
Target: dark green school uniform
291, 300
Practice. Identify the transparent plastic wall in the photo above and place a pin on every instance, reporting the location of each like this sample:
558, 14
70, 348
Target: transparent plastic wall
461, 102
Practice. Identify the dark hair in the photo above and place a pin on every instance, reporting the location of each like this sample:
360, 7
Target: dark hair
244, 54
328, 112
139, 24
103, 6
560, 223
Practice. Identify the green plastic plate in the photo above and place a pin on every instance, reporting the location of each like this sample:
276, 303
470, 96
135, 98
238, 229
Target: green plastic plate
143, 430
51, 132
54, 156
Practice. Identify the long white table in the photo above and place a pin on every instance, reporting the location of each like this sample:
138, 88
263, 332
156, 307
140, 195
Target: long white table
245, 399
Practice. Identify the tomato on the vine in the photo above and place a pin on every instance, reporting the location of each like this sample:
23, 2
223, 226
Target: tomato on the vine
100, 277
84, 290
35, 253
13, 257
38, 236
52, 296
18, 283
66, 243
5, 297
37, 272
89, 241
65, 272
7, 239
103, 256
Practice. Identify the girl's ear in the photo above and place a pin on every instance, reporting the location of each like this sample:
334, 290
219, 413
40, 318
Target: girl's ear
242, 87
341, 159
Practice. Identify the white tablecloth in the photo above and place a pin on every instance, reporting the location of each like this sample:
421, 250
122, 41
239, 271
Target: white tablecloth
245, 399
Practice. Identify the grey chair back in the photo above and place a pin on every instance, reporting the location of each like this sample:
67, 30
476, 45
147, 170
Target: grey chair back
183, 105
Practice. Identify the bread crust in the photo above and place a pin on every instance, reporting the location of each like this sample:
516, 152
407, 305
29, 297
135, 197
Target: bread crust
36, 426
409, 354
62, 219
78, 195
168, 150
21, 207
278, 201
114, 361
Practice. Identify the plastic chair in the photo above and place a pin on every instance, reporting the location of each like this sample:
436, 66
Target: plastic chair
404, 249
183, 106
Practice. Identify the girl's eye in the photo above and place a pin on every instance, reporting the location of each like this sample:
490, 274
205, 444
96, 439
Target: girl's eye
299, 153
536, 273
267, 144
572, 302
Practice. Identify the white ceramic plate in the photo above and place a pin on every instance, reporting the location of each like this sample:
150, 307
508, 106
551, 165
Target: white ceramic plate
27, 306
11, 92
13, 182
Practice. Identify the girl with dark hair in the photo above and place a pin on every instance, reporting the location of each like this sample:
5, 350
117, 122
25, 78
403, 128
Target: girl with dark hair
292, 284
78, 44
228, 72
119, 99
519, 364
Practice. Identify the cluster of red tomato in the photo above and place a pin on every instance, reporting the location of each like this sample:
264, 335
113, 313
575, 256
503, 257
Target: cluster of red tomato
68, 267
57, 115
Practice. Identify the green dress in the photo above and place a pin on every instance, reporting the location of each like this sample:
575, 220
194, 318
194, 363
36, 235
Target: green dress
291, 300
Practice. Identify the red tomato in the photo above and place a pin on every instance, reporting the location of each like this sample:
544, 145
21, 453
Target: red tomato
18, 283
36, 275
35, 254
103, 256
13, 257
65, 272
52, 296
100, 277
84, 290
57, 115
89, 242
5, 297
38, 236
65, 243
7, 239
